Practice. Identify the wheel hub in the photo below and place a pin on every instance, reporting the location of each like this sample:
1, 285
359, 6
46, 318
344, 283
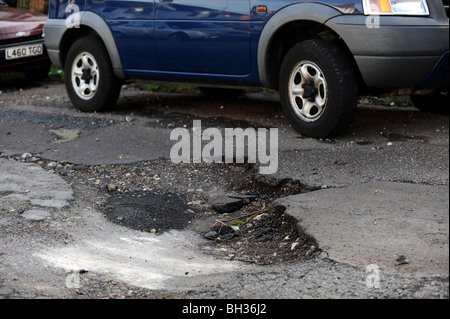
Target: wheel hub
310, 91
86, 77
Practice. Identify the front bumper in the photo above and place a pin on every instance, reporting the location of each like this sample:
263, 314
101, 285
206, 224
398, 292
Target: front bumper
54, 30
399, 52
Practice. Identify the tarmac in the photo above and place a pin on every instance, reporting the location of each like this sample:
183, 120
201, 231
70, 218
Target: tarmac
378, 198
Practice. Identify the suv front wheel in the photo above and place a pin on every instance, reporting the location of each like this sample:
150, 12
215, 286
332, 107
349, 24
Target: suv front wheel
318, 90
90, 80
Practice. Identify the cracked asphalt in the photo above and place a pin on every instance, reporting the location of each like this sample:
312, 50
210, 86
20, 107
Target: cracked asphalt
376, 196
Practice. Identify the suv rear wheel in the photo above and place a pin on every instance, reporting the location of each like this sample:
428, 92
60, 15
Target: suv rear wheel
318, 90
90, 80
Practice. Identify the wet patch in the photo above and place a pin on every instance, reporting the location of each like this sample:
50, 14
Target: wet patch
399, 137
362, 143
174, 120
84, 124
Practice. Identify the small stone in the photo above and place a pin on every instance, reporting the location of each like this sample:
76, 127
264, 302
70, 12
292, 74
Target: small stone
25, 156
222, 230
324, 255
111, 187
52, 164
245, 198
401, 260
195, 202
228, 236
211, 235
225, 204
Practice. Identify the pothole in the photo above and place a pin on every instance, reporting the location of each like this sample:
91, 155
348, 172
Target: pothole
159, 196
264, 236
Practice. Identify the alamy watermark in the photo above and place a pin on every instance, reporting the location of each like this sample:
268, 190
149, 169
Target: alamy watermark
73, 280
73, 19
231, 145
373, 21
374, 278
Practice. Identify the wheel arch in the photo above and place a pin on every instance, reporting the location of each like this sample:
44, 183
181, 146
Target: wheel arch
91, 23
289, 26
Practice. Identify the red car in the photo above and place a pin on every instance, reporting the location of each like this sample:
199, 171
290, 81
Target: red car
22, 46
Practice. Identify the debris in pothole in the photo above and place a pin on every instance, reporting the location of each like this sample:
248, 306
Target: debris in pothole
111, 187
401, 260
221, 232
211, 235
25, 156
264, 235
226, 204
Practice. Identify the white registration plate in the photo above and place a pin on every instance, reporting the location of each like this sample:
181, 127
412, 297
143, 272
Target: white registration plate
24, 51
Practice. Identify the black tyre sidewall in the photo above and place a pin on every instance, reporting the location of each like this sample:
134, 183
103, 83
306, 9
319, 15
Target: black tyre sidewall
109, 86
341, 88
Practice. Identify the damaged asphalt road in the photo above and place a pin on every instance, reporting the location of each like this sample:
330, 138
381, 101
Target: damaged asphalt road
92, 207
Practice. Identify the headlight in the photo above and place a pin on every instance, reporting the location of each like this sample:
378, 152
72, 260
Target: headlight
396, 7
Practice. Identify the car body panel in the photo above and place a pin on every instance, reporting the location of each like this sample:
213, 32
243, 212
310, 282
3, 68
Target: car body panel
130, 22
21, 28
213, 38
24, 22
226, 41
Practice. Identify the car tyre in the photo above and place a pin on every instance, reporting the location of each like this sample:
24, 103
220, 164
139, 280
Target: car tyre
318, 89
89, 76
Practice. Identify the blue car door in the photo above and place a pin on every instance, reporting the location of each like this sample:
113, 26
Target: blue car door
132, 25
203, 36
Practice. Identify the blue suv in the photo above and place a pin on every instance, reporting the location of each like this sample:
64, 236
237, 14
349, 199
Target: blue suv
320, 55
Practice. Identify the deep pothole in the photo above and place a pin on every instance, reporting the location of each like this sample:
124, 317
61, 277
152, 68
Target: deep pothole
160, 196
